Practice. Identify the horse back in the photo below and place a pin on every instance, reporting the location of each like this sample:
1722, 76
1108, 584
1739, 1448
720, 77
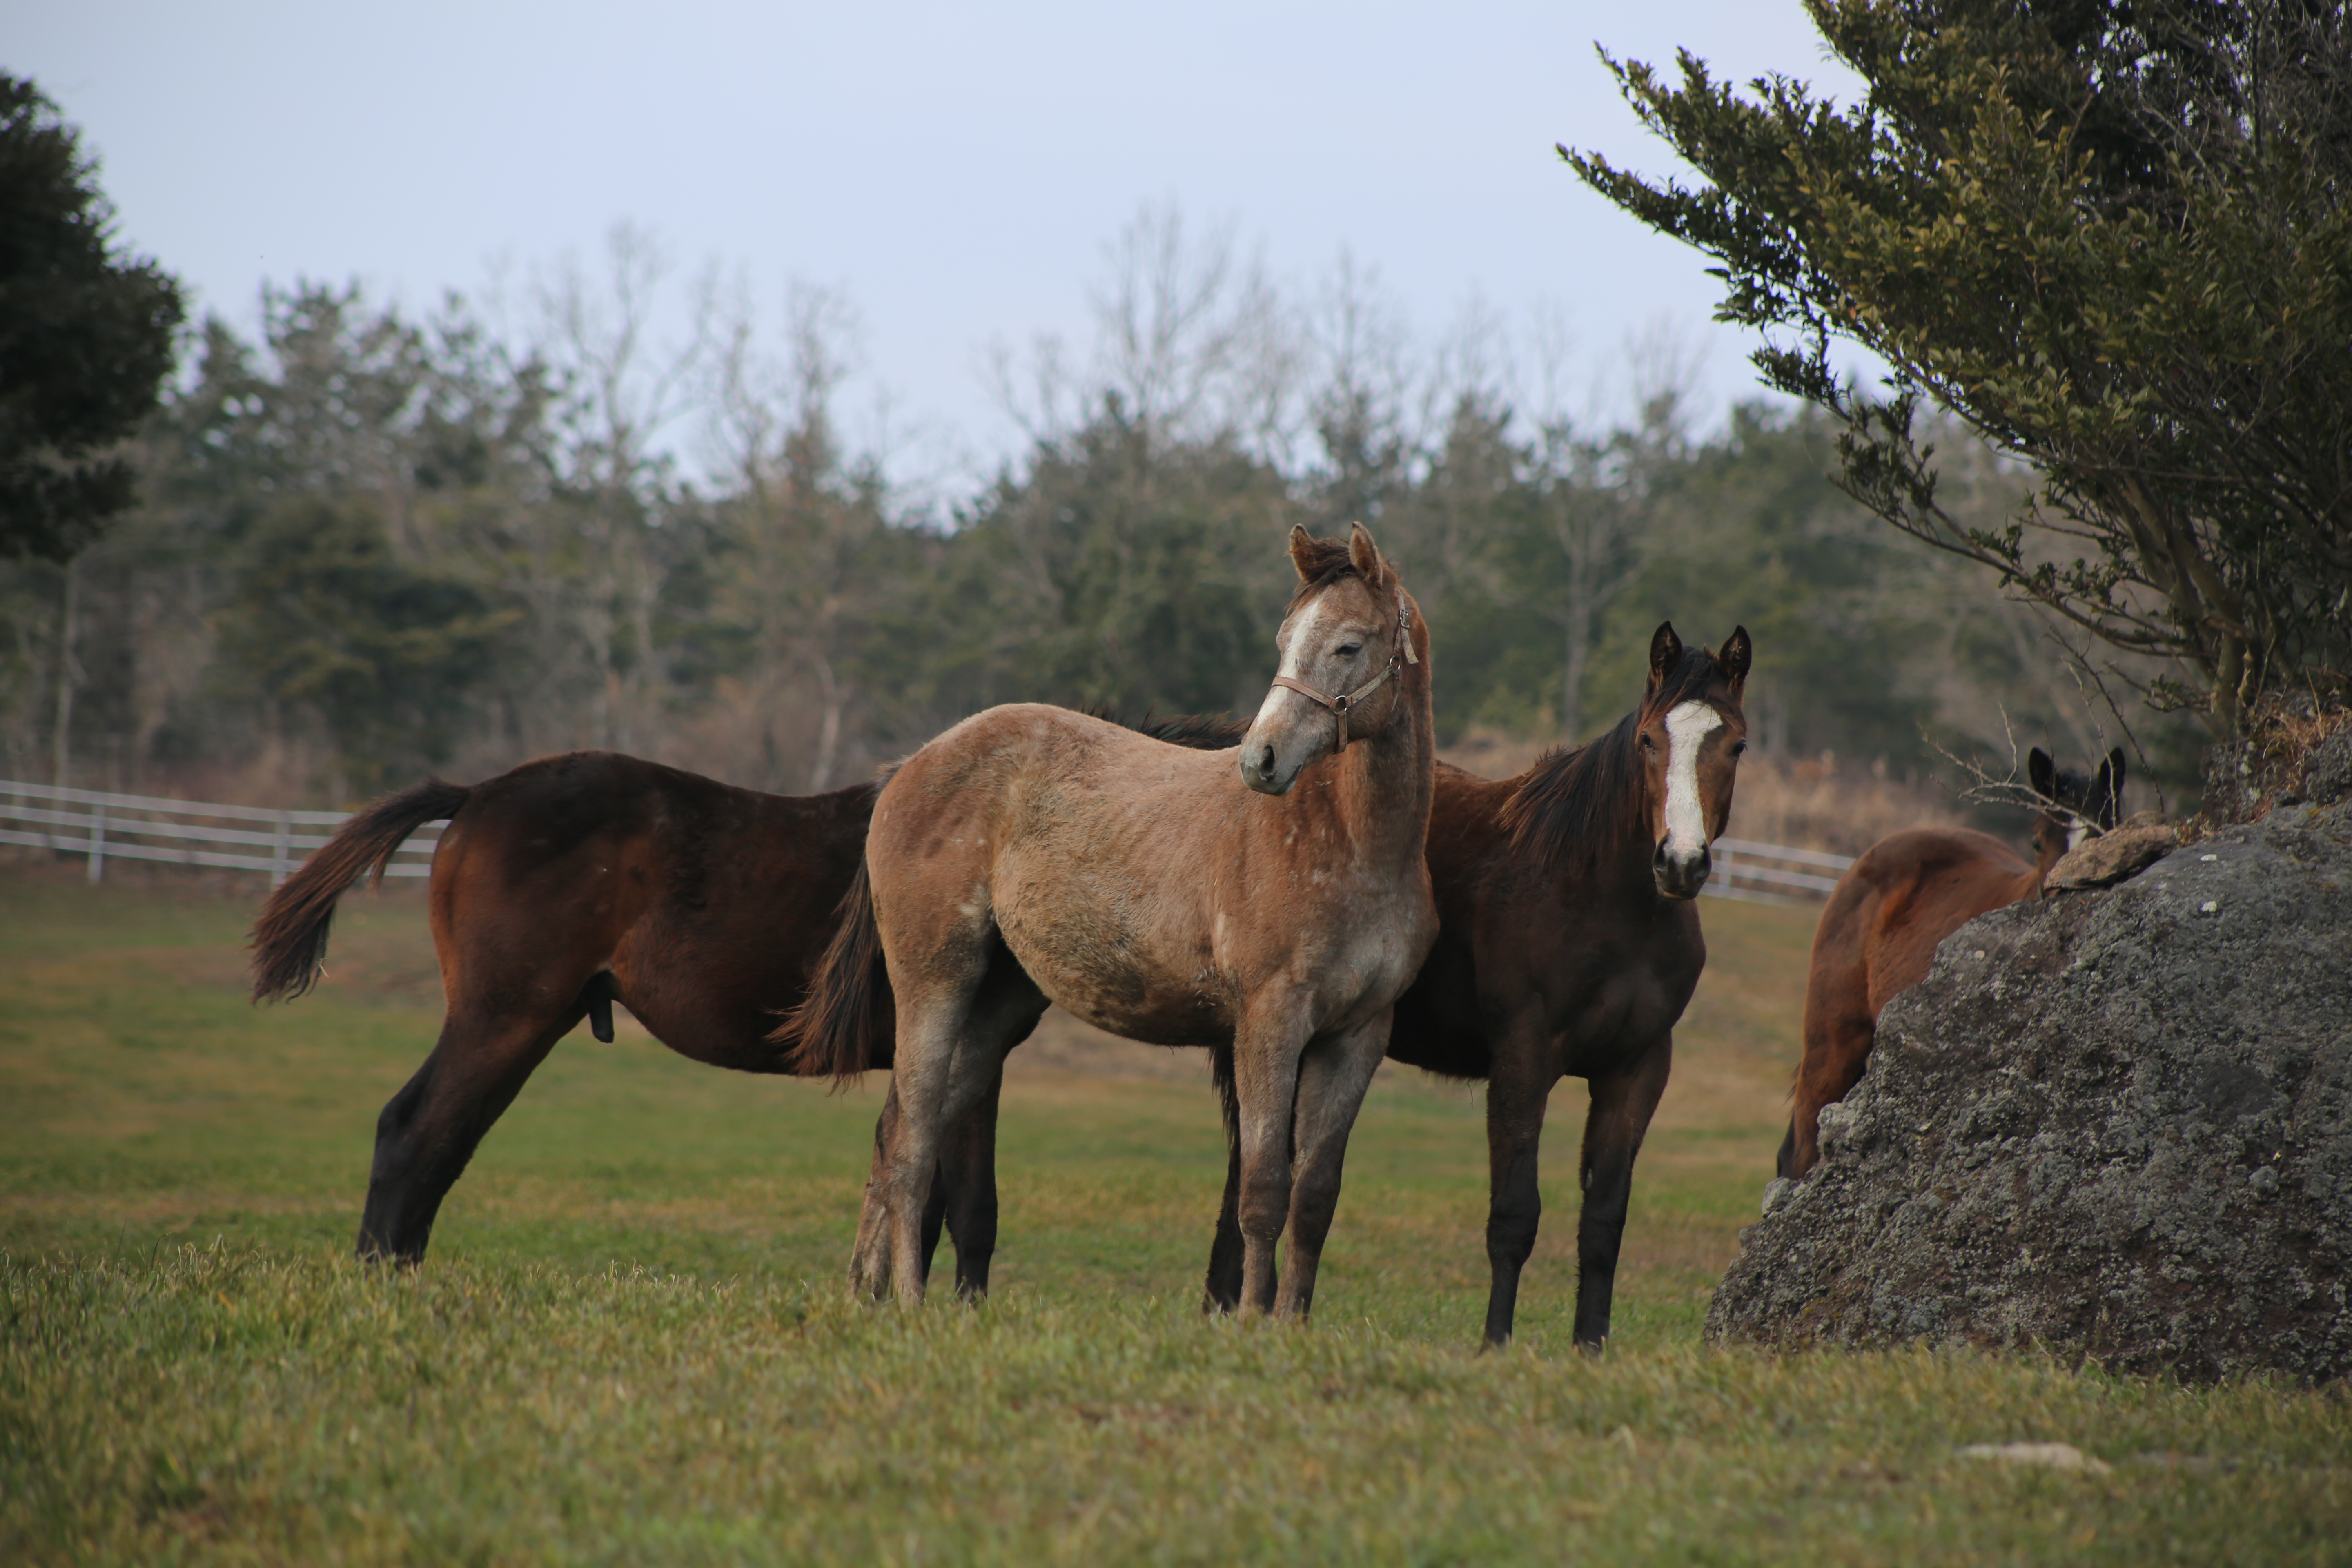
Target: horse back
1908, 892
707, 904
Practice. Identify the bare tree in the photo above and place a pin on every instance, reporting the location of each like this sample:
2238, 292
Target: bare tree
622, 388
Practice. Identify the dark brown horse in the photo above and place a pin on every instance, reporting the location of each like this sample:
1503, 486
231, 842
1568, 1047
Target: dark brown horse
1568, 944
1907, 892
1275, 900
558, 889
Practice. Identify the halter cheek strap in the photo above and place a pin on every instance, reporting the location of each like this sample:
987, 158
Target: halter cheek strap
1346, 702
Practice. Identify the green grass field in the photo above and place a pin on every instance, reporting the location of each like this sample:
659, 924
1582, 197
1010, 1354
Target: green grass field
631, 1344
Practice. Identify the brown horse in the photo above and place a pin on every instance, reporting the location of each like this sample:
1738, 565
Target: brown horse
1033, 854
1906, 894
1568, 943
558, 889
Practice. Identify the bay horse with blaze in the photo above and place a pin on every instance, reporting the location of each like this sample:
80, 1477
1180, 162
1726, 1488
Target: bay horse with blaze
1276, 902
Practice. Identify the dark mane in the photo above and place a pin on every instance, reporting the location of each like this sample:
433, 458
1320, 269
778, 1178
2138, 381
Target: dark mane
1576, 802
1326, 561
1199, 732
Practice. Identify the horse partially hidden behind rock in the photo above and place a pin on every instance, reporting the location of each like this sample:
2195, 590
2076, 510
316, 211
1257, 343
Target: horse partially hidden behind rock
1275, 900
1907, 892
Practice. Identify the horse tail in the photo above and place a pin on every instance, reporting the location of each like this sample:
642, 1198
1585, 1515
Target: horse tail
848, 1008
290, 939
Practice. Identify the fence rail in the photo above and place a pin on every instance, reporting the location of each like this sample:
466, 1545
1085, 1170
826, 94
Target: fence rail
106, 827
147, 827
1772, 873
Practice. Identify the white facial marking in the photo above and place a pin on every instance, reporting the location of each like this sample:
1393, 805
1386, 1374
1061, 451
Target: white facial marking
2076, 832
1687, 728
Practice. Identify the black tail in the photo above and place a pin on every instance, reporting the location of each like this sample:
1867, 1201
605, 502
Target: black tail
289, 940
843, 1026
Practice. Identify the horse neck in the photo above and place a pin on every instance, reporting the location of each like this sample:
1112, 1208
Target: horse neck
1387, 780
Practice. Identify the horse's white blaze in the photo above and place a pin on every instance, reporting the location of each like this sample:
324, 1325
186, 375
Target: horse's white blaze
1687, 728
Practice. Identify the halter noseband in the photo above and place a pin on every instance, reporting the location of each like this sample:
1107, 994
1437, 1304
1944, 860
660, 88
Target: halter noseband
1346, 702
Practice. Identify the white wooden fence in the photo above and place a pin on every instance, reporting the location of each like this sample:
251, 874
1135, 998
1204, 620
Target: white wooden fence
1772, 873
144, 827
253, 839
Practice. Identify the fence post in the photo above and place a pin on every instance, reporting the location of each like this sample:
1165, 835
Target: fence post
1727, 871
97, 842
284, 857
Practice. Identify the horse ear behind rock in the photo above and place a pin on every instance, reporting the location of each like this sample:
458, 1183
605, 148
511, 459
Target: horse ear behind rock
1737, 655
2041, 773
1665, 652
1364, 555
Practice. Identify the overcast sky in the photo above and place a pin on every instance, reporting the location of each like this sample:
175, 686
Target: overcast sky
956, 170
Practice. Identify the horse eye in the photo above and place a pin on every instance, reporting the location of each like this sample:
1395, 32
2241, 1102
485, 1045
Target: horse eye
1739, 748
1350, 649
1648, 744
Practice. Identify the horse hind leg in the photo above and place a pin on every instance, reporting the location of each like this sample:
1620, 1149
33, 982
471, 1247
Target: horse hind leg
429, 1131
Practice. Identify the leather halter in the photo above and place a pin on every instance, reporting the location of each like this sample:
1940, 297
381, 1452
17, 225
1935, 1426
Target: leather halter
1346, 702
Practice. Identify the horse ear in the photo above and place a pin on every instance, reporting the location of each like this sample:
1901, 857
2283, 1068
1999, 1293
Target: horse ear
1302, 552
1665, 652
2041, 773
1365, 556
1735, 658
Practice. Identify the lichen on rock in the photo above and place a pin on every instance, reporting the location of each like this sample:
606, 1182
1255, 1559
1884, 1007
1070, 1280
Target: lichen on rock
2117, 1124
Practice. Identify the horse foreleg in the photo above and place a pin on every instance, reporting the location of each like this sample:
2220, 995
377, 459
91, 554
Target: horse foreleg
1333, 1075
1622, 1103
1518, 1090
429, 1131
1265, 1076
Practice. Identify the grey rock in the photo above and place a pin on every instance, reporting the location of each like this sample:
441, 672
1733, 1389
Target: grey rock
2327, 771
2112, 857
2136, 1147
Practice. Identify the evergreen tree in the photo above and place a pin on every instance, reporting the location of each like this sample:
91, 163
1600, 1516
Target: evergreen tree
85, 336
2112, 237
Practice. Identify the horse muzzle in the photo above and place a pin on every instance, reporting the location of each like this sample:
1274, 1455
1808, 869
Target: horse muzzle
1263, 770
1680, 876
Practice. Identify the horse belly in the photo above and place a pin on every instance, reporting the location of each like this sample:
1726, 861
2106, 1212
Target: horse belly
1098, 962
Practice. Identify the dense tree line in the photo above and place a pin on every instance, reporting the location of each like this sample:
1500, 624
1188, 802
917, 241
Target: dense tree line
373, 542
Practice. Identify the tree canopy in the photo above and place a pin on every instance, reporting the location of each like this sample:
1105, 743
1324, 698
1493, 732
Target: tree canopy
2111, 236
85, 336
